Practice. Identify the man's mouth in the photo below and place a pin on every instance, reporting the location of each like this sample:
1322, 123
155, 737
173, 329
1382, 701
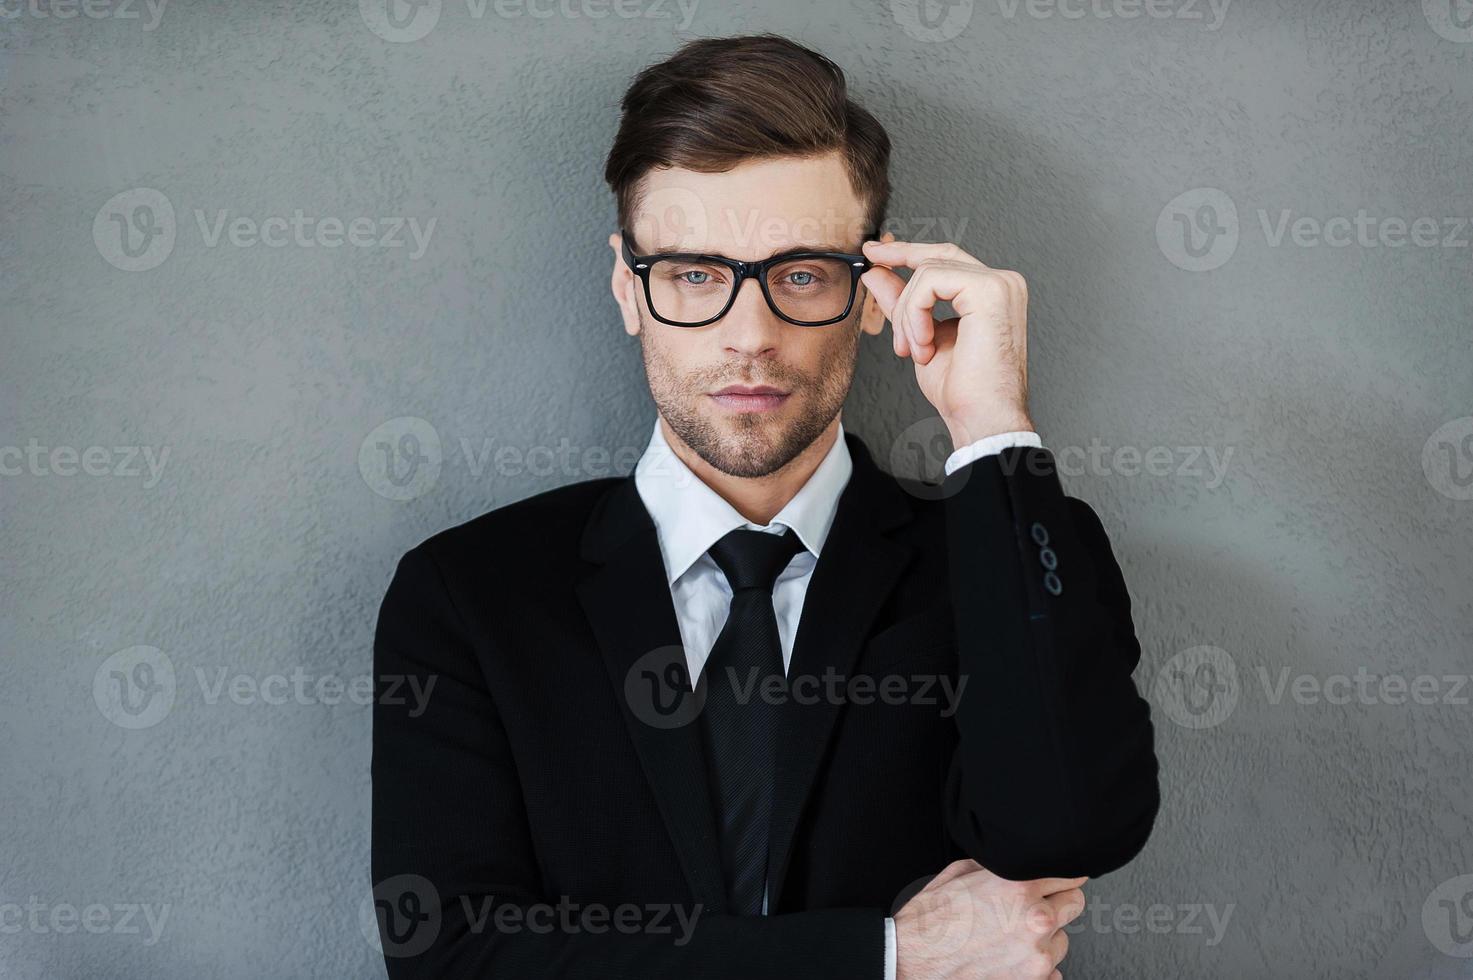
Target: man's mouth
750, 398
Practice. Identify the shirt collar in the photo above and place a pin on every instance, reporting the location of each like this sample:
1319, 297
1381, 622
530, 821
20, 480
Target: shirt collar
690, 517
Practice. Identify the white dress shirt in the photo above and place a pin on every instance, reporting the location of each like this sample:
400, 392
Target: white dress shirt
690, 517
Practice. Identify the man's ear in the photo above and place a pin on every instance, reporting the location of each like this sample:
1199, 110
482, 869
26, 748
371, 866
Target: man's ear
871, 317
624, 286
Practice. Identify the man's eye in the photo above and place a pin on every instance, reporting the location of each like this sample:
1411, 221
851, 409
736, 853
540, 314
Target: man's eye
802, 279
691, 277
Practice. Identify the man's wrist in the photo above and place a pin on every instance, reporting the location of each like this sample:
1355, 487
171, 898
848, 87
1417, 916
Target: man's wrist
892, 949
970, 427
988, 446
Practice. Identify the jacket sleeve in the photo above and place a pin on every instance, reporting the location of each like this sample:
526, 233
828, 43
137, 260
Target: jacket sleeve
1055, 772
457, 890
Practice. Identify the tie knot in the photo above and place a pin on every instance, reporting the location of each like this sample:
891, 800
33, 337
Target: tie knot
754, 559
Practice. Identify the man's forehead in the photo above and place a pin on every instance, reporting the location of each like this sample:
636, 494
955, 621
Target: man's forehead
756, 208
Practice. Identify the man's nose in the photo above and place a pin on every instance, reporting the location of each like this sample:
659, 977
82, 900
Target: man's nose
750, 327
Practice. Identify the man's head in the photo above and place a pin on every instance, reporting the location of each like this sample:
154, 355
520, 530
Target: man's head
746, 147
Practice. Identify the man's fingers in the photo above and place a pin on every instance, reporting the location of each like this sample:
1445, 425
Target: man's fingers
971, 290
1048, 886
1067, 905
1058, 946
886, 287
911, 254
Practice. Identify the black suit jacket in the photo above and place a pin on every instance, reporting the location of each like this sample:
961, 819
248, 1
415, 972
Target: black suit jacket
534, 796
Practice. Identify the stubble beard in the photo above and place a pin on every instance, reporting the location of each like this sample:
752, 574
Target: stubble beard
751, 444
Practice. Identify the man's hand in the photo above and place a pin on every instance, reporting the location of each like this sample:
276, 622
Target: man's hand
970, 923
973, 367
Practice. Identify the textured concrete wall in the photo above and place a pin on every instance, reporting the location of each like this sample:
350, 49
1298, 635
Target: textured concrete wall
1269, 407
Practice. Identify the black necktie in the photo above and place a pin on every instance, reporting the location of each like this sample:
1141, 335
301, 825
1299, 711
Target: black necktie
739, 725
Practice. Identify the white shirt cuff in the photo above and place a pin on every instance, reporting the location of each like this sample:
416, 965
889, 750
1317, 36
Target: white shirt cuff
990, 446
890, 948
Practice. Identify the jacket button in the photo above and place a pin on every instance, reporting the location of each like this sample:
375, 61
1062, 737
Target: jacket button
1048, 559
1040, 533
1052, 583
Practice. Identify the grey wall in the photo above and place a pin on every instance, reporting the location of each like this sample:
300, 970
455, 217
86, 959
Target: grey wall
1310, 830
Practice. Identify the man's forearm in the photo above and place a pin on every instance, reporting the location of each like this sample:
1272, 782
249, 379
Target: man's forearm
1055, 772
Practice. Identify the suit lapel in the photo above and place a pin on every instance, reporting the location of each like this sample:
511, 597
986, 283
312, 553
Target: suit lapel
628, 604
854, 575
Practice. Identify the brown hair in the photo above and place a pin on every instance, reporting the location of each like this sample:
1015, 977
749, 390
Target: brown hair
719, 101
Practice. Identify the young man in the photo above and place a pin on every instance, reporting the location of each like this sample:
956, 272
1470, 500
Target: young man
718, 718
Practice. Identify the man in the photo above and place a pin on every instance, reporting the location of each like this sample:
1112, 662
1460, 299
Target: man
718, 718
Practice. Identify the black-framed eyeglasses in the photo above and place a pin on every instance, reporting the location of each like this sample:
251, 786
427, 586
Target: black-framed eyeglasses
692, 289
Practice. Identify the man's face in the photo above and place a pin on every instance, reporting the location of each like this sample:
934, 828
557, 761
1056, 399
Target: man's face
757, 209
